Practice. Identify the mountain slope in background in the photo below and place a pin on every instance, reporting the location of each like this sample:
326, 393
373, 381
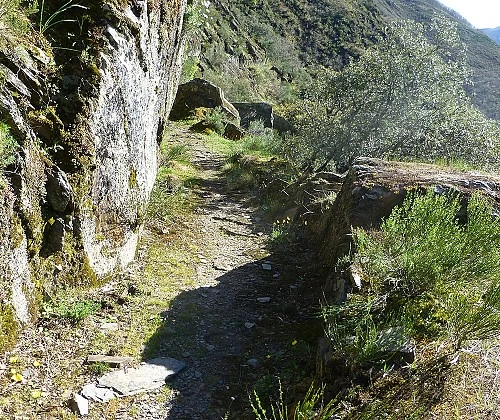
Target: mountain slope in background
483, 53
242, 39
493, 33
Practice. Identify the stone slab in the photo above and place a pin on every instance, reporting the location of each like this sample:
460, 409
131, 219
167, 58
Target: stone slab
116, 361
146, 377
97, 393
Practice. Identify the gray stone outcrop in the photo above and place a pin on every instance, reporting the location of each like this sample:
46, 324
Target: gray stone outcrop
373, 187
264, 112
139, 70
74, 201
200, 93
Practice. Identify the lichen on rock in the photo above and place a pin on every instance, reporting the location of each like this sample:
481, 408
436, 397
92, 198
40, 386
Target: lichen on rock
88, 120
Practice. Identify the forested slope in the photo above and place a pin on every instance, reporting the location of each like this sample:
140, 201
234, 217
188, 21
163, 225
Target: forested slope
241, 40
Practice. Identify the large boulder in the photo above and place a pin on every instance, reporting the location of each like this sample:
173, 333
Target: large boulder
200, 93
255, 111
262, 111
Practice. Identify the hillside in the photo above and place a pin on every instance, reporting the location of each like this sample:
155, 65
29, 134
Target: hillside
240, 41
493, 33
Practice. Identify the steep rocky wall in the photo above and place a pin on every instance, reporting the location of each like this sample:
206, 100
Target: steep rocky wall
139, 69
88, 121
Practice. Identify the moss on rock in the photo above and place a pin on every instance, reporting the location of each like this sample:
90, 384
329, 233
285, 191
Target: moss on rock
8, 327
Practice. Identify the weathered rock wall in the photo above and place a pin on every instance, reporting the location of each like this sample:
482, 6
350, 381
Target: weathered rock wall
73, 203
139, 69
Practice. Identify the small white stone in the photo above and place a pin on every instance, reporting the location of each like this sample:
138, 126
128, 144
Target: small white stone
265, 299
249, 325
80, 405
109, 326
253, 363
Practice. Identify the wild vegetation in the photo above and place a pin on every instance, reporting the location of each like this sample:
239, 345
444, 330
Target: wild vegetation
13, 20
429, 280
404, 98
428, 283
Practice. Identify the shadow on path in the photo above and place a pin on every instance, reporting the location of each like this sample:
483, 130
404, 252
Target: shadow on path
251, 317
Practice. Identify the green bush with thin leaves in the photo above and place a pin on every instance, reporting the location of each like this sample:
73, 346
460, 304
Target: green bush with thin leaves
216, 119
438, 272
432, 272
310, 407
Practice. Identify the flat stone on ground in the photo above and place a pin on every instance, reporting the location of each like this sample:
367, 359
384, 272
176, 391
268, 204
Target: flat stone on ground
253, 363
97, 393
146, 377
109, 326
80, 405
113, 361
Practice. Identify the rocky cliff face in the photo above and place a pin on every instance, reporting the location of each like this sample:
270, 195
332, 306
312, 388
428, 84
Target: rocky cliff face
74, 201
139, 69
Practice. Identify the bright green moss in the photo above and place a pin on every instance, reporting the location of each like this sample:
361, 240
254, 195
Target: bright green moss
8, 327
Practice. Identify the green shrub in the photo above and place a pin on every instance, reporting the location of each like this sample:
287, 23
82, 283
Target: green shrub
215, 118
98, 368
311, 407
282, 232
440, 274
13, 22
189, 68
426, 275
403, 98
74, 311
193, 18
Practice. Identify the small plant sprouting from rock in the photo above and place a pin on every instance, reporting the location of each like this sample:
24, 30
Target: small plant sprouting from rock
74, 311
55, 18
8, 146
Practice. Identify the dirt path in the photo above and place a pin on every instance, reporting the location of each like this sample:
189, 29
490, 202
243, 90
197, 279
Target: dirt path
213, 294
237, 322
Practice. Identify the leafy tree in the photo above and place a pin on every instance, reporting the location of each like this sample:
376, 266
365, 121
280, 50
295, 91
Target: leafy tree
404, 98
